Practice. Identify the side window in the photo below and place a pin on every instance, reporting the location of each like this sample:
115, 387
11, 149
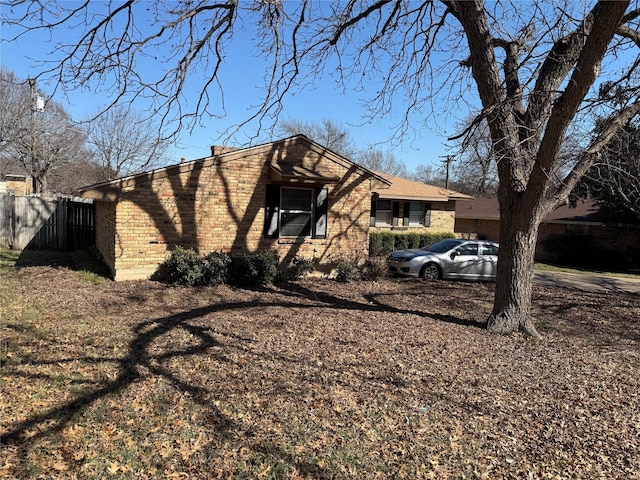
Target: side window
383, 212
416, 214
468, 249
488, 249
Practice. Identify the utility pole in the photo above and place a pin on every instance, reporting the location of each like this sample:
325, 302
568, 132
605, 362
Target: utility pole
447, 160
32, 85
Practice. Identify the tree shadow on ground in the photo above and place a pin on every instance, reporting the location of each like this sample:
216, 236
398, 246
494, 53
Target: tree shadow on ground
44, 258
374, 303
83, 260
142, 357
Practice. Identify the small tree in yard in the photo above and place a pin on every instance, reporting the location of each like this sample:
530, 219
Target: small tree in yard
533, 66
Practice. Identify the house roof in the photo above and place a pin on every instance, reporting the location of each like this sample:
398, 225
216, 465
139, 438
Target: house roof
283, 167
15, 177
282, 171
487, 208
401, 188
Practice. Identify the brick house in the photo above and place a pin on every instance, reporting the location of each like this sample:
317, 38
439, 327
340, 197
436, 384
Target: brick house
19, 185
480, 217
293, 196
410, 205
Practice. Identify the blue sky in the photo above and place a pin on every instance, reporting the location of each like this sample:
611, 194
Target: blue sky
242, 80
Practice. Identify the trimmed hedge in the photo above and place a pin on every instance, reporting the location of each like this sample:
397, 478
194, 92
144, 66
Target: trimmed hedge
383, 243
581, 251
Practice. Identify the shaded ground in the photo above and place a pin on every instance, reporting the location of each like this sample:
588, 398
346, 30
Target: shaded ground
591, 282
314, 379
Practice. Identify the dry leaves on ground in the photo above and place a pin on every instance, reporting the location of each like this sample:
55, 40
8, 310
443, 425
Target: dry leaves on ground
312, 379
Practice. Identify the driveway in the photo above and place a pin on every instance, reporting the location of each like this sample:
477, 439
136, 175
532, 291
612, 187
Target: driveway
590, 282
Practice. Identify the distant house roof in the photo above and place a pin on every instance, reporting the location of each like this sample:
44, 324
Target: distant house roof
488, 209
10, 177
401, 188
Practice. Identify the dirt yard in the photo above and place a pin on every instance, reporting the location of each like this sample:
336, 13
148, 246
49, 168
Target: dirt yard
312, 379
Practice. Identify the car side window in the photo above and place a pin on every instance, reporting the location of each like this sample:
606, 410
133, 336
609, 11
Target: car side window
468, 249
488, 249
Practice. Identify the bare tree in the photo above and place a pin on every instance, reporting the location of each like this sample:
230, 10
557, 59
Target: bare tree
37, 138
474, 165
382, 161
429, 174
328, 133
125, 141
533, 67
338, 139
14, 101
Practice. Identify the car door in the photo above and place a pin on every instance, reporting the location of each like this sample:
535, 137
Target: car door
465, 262
489, 260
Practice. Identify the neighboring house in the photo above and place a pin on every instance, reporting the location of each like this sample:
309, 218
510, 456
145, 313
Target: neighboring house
293, 196
409, 205
480, 218
18, 185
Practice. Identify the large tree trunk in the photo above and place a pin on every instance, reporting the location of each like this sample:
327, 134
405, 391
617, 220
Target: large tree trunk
514, 283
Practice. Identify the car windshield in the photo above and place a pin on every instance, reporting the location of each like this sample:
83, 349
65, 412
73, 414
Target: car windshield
442, 246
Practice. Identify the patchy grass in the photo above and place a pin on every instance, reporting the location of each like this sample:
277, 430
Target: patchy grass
311, 379
89, 268
8, 259
549, 267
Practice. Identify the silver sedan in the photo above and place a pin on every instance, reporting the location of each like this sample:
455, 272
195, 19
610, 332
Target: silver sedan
447, 259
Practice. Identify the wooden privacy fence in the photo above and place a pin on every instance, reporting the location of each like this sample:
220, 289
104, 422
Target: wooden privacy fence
46, 223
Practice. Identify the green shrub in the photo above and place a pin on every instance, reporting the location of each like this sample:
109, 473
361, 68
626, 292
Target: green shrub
347, 271
300, 267
581, 251
388, 242
376, 247
374, 269
401, 241
383, 243
413, 240
215, 268
253, 269
184, 267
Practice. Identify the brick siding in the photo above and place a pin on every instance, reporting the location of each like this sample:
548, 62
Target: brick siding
219, 205
442, 219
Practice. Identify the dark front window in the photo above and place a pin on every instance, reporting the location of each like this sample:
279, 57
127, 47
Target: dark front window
383, 212
417, 214
296, 212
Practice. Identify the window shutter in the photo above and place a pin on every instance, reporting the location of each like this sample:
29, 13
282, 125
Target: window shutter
396, 213
272, 206
372, 216
405, 214
322, 208
427, 215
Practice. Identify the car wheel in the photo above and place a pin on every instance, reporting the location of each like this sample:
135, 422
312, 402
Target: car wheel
431, 271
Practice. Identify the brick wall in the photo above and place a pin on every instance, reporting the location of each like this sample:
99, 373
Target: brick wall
18, 187
219, 206
106, 233
478, 228
443, 216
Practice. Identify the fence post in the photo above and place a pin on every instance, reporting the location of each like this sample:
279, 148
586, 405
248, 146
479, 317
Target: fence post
61, 212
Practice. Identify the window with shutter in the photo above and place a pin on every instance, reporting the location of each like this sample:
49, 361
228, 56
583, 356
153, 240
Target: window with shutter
296, 212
